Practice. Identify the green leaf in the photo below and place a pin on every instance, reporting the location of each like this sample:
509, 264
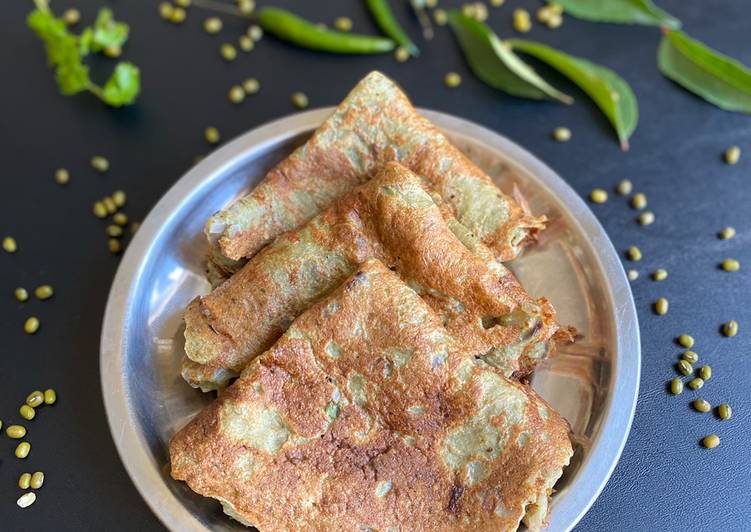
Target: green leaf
494, 63
607, 89
619, 11
107, 33
123, 86
62, 51
719, 79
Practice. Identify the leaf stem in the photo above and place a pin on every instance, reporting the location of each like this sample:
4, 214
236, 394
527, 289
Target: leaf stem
220, 7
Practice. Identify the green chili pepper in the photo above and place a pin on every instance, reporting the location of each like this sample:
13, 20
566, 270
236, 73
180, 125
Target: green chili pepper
290, 27
385, 19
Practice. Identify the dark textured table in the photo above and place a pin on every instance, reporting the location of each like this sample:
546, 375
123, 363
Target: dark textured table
665, 480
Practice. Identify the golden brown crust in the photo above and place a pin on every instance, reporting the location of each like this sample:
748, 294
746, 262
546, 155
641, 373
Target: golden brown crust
368, 414
375, 124
391, 218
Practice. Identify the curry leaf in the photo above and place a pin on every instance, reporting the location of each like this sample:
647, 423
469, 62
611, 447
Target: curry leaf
719, 79
607, 89
619, 11
496, 64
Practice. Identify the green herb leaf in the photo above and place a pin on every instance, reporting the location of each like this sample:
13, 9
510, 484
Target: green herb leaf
607, 89
107, 32
719, 79
494, 63
123, 86
619, 11
62, 51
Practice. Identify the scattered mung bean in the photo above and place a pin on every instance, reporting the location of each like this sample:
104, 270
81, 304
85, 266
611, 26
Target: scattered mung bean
178, 15
245, 43
639, 201
120, 218
634, 253
695, 384
452, 80
31, 325
114, 231
521, 20
23, 449
724, 411
732, 155
440, 17
236, 94
62, 176
24, 481
15, 431
44, 291
300, 100
632, 275
676, 386
343, 23
212, 25
661, 306
647, 218
100, 164
27, 499
702, 405
37, 479
563, 134
690, 356
686, 341
50, 396
705, 372
71, 16
246, 7
115, 246
731, 265
27, 412
624, 187
35, 398
119, 197
165, 10
109, 204
598, 195
684, 368
228, 52
401, 54
727, 233
212, 135
711, 441
100, 211
251, 86
9, 244
255, 32
21, 294
730, 328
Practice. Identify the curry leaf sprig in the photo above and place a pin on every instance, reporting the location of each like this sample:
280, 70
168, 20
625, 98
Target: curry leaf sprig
65, 52
719, 79
496, 64
619, 11
607, 89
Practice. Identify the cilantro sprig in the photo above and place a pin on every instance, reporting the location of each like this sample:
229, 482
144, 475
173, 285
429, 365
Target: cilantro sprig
65, 52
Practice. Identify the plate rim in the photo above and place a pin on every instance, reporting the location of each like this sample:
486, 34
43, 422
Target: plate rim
133, 451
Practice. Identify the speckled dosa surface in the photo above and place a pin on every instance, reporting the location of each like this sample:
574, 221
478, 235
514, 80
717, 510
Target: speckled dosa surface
368, 414
392, 218
375, 124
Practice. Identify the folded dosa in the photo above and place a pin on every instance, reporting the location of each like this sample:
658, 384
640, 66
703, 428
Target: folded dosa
368, 415
392, 218
376, 123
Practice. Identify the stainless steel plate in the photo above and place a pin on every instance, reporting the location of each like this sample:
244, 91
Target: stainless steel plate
593, 383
